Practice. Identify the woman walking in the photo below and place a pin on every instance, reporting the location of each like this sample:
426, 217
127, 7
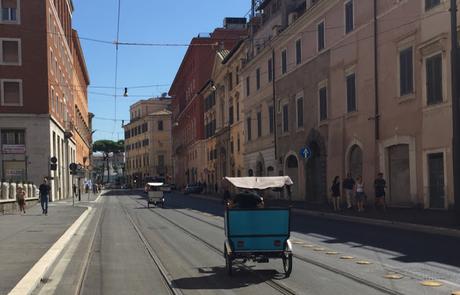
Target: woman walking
359, 193
335, 188
21, 198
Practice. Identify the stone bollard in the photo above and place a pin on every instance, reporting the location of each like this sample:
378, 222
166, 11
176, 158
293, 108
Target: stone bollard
12, 194
28, 190
5, 190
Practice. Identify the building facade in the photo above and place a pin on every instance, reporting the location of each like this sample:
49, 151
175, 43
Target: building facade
258, 73
367, 93
37, 97
148, 141
195, 72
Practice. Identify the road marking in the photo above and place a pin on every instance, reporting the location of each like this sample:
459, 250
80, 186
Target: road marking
431, 283
31, 280
393, 276
346, 257
363, 262
332, 253
319, 249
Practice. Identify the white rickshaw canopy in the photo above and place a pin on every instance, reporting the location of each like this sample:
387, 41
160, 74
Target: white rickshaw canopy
260, 183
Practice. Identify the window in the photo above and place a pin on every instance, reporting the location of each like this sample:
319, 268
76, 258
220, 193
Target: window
238, 111
230, 115
11, 92
230, 81
238, 143
320, 36
349, 22
284, 61
351, 93
9, 10
405, 72
160, 125
300, 112
322, 104
161, 160
286, 118
270, 70
431, 3
434, 79
298, 52
259, 124
248, 86
13, 137
10, 51
258, 79
271, 114
232, 148
248, 126
237, 75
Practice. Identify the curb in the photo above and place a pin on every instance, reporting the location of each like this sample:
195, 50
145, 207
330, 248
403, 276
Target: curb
386, 223
31, 280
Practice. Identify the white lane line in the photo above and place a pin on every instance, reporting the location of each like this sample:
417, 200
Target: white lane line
31, 280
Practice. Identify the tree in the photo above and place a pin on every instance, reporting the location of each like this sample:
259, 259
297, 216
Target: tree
108, 148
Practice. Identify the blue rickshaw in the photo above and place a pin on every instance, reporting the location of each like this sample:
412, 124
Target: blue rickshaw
258, 234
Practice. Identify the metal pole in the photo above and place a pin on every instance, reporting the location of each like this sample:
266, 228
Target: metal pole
455, 108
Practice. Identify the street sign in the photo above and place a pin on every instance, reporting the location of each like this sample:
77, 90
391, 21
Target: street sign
306, 153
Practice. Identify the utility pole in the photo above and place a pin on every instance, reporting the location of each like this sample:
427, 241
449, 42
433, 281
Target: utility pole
455, 107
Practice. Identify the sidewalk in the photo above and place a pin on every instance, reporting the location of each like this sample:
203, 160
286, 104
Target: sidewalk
410, 218
24, 239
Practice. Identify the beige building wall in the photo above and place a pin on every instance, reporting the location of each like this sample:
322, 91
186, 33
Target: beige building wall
413, 135
144, 142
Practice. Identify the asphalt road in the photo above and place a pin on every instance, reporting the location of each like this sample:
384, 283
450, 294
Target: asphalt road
126, 248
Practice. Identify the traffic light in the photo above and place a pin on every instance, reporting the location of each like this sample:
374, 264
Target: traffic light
53, 164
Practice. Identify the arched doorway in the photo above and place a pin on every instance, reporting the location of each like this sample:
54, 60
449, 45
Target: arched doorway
259, 169
355, 161
315, 169
292, 170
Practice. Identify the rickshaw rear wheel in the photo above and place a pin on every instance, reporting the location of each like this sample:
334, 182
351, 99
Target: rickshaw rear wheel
228, 261
287, 264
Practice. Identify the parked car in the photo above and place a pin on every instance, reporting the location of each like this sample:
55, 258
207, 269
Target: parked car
193, 189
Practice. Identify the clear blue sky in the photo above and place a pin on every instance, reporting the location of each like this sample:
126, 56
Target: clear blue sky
147, 21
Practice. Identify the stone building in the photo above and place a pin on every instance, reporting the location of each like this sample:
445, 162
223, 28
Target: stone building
38, 101
148, 140
193, 75
367, 93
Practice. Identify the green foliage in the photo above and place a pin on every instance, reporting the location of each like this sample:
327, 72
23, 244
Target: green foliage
108, 146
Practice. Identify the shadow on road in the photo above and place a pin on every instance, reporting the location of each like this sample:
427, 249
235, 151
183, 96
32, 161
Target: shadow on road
216, 278
401, 245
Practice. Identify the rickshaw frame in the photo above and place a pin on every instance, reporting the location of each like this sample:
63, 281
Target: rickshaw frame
283, 250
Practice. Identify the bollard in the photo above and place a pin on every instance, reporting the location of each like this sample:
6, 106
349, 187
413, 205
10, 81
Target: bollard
12, 194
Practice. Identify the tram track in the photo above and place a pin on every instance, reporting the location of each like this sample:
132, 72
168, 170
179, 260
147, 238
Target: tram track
281, 288
347, 275
167, 280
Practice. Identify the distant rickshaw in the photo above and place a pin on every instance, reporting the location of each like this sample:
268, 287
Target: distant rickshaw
257, 233
155, 193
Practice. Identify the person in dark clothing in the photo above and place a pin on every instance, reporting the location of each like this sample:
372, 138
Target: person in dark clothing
44, 194
349, 186
335, 189
379, 187
247, 200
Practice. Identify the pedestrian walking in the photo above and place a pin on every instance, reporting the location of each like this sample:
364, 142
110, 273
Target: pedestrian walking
359, 196
335, 189
379, 187
21, 198
349, 186
44, 193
